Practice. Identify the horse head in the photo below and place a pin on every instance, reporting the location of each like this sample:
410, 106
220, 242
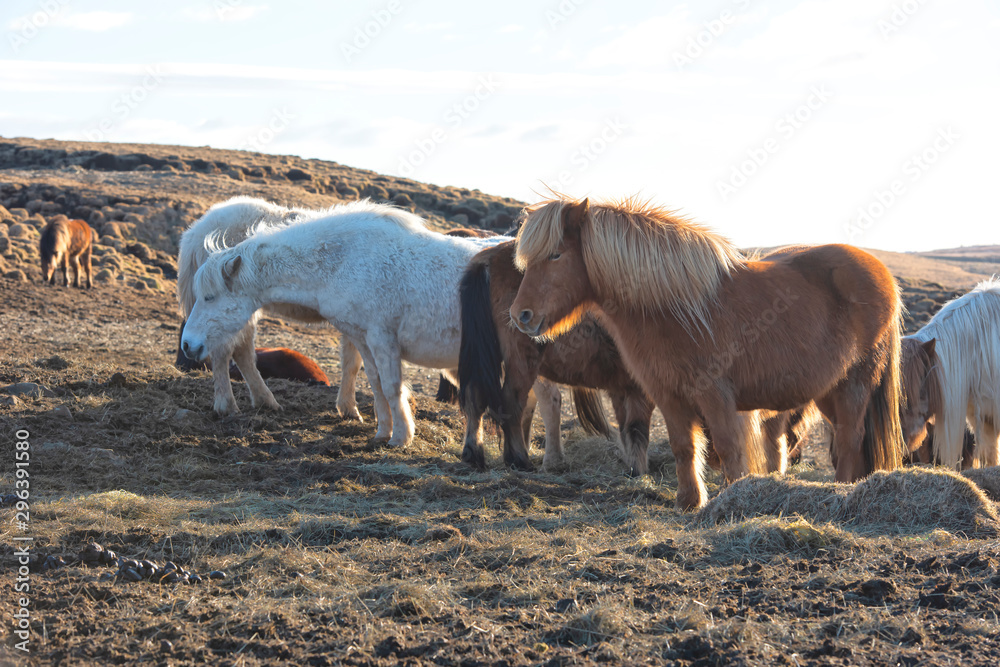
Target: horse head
223, 306
921, 389
555, 293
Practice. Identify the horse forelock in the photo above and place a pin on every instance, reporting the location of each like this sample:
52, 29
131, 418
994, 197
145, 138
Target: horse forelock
540, 233
920, 370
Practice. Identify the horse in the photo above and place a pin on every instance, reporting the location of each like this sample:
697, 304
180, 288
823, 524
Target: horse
271, 362
375, 272
952, 375
62, 242
225, 224
708, 333
490, 348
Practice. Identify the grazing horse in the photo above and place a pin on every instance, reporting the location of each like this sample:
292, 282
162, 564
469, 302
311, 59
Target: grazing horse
226, 224
708, 333
587, 357
375, 272
62, 242
271, 362
952, 375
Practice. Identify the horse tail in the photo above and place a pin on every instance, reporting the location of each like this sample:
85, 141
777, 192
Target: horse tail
447, 392
480, 359
882, 444
590, 412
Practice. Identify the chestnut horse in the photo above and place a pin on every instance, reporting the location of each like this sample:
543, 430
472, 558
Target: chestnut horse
62, 242
707, 332
951, 373
271, 362
490, 348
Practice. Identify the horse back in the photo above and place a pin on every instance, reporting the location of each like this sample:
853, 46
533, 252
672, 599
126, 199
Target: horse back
80, 236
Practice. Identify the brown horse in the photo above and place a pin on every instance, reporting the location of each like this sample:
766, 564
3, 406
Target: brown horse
707, 332
921, 384
62, 242
491, 348
272, 362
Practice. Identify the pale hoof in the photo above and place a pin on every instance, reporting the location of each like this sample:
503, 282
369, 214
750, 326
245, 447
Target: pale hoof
225, 408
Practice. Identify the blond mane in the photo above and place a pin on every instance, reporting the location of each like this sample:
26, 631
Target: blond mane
639, 255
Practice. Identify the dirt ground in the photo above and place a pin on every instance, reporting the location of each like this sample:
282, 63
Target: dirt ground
333, 550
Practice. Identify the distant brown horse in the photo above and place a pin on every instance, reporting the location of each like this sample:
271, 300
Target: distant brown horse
62, 242
708, 333
492, 349
272, 362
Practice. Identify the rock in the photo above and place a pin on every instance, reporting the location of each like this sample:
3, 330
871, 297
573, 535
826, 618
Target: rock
21, 231
143, 167
96, 219
235, 174
62, 412
4, 213
4, 242
104, 276
166, 646
216, 574
460, 219
118, 380
402, 199
298, 175
16, 275
183, 414
9, 401
28, 389
19, 213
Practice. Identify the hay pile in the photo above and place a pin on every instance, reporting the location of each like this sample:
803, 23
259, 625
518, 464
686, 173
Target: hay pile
987, 479
910, 501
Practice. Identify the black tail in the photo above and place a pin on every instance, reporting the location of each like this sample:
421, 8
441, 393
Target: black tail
480, 361
447, 392
590, 412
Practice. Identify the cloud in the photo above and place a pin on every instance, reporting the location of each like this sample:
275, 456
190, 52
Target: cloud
225, 10
86, 21
93, 21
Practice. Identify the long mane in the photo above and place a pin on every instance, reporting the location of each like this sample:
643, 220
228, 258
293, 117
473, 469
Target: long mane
967, 331
639, 255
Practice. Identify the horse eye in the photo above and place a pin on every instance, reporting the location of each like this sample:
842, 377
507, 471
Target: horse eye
210, 298
554, 256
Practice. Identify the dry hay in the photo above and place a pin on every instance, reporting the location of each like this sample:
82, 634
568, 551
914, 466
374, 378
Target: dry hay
922, 499
912, 500
754, 496
987, 479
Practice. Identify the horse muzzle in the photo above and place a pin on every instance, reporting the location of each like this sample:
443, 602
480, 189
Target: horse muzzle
194, 353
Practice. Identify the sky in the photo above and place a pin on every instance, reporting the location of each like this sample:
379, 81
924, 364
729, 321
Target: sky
870, 122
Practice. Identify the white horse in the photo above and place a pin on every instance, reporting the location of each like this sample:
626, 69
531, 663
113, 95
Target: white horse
227, 224
966, 335
376, 273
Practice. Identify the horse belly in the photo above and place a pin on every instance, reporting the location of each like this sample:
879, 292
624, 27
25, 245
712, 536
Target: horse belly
430, 349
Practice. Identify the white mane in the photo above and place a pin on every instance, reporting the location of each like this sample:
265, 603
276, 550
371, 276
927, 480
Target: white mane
967, 331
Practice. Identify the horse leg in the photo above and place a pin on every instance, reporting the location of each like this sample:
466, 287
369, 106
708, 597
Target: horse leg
736, 436
550, 400
350, 366
383, 415
688, 446
473, 407
516, 388
776, 443
225, 401
245, 356
385, 351
987, 442
65, 268
845, 407
88, 265
528, 417
633, 412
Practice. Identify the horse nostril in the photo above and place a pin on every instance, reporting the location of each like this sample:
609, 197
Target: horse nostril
185, 347
526, 316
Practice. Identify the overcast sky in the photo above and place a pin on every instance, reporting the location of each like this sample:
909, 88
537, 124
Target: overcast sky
866, 121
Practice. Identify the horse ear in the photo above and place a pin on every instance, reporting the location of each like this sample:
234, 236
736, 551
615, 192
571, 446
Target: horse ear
929, 347
576, 215
230, 269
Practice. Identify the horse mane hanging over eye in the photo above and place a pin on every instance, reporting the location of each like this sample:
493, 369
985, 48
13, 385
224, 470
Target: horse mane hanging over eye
640, 255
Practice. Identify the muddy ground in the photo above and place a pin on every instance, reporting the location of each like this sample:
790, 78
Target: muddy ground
335, 550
